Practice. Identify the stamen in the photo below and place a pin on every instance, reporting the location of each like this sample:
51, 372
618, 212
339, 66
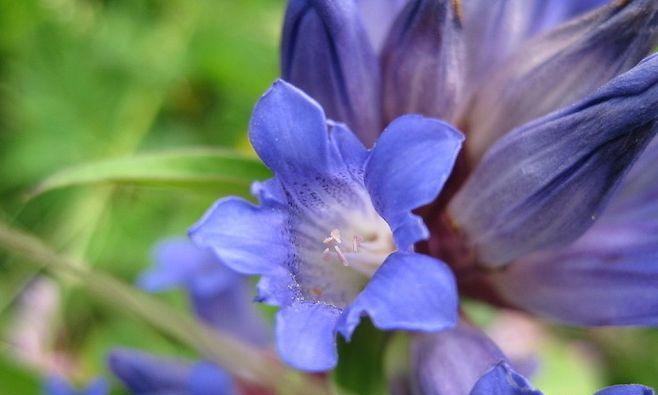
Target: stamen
334, 236
364, 256
341, 256
333, 241
356, 242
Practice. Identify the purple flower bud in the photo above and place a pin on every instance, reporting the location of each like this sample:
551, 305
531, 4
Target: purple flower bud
546, 183
423, 61
325, 50
560, 68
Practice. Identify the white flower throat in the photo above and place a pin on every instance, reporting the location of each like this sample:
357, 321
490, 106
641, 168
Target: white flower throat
338, 249
361, 251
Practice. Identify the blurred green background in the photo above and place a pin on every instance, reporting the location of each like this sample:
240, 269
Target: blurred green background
85, 80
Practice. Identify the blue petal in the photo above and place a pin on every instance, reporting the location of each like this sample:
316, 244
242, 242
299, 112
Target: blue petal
545, 183
502, 380
56, 385
208, 379
410, 292
220, 296
637, 199
492, 30
278, 288
306, 336
269, 192
580, 6
422, 61
144, 373
378, 16
248, 239
234, 312
408, 230
97, 387
451, 361
352, 152
546, 14
628, 389
288, 131
495, 29
560, 68
325, 51
608, 277
408, 166
180, 263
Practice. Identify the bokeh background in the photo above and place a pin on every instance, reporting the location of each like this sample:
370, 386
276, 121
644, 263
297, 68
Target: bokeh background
87, 80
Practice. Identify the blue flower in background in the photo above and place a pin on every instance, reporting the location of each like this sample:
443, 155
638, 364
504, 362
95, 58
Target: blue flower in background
503, 380
555, 187
56, 385
464, 361
146, 374
333, 237
220, 298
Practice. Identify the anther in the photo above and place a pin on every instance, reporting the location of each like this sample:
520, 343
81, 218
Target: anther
334, 237
332, 242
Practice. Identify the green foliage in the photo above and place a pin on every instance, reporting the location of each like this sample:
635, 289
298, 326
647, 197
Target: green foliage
631, 355
16, 379
567, 367
91, 81
218, 171
360, 367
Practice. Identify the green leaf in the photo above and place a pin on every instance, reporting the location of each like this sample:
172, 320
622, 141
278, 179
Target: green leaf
220, 171
17, 379
566, 367
630, 355
360, 368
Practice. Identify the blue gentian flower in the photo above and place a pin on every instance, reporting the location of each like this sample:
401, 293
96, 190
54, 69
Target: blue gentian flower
220, 298
146, 374
463, 360
334, 234
554, 188
56, 385
503, 380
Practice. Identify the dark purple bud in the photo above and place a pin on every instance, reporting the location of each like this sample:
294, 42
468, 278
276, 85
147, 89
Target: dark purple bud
422, 61
545, 183
562, 67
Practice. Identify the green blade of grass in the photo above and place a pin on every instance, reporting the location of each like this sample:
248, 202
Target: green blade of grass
221, 171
